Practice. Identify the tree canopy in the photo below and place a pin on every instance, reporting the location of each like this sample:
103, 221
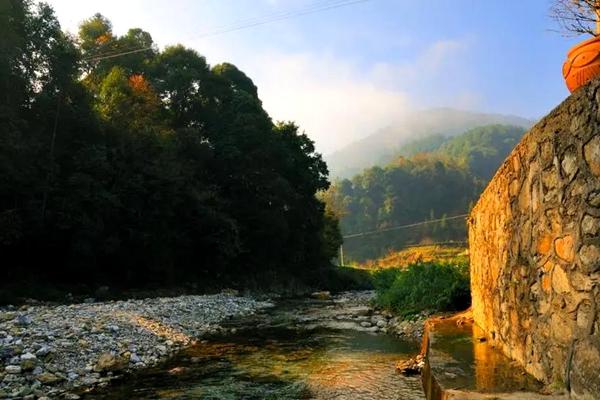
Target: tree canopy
148, 167
435, 178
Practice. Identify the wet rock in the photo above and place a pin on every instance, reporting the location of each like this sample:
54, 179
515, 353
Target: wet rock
412, 366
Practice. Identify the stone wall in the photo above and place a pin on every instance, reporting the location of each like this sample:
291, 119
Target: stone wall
535, 249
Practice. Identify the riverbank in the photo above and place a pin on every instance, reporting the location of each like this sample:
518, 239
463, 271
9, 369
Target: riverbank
61, 350
319, 347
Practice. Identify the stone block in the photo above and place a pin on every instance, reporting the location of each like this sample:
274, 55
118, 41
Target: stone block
591, 152
564, 248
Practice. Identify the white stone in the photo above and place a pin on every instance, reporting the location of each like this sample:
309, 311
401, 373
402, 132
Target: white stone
28, 356
12, 369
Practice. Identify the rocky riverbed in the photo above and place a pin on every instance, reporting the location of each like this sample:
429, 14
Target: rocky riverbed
60, 351
57, 351
354, 310
323, 347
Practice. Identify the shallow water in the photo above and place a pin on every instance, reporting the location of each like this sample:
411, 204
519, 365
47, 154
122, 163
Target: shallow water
280, 360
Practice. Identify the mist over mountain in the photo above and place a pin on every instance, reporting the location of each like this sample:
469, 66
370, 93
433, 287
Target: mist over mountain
384, 145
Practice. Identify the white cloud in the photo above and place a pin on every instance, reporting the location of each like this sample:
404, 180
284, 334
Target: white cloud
332, 100
338, 102
430, 64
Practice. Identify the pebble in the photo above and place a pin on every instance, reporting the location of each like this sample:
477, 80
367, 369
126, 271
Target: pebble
28, 356
12, 369
59, 346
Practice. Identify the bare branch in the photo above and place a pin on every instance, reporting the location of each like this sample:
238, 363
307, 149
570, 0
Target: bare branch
576, 17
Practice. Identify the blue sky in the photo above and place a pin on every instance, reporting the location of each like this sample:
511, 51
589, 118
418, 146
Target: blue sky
344, 73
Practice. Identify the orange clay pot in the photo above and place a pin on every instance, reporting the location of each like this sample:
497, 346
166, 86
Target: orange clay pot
583, 63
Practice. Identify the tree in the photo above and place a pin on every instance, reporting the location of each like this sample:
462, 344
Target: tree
577, 17
146, 168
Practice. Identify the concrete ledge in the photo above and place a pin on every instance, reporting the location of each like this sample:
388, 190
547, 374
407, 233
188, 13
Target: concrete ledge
461, 364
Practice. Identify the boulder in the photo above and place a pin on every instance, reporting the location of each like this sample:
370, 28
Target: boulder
323, 295
412, 366
12, 369
48, 378
109, 362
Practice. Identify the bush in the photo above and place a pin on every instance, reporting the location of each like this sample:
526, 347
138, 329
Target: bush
432, 286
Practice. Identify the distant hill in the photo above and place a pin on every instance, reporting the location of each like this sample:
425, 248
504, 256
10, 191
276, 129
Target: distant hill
484, 148
433, 177
384, 145
480, 149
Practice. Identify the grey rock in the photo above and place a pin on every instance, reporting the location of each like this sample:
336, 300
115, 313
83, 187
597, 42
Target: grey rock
23, 320
28, 356
12, 369
42, 351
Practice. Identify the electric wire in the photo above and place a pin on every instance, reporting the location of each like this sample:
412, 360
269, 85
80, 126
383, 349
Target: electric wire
243, 24
394, 228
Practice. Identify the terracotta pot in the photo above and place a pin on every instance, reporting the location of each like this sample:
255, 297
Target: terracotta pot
583, 63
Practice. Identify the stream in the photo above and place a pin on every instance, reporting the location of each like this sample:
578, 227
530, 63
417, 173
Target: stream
299, 349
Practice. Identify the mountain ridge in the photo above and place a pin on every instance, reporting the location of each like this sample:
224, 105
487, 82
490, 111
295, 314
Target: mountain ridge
384, 145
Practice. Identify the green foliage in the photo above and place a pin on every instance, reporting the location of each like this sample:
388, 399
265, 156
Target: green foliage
430, 287
150, 168
409, 190
427, 144
439, 177
483, 149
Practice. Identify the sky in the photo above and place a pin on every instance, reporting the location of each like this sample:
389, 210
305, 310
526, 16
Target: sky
346, 72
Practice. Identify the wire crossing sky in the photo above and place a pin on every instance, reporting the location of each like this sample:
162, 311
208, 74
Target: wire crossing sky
343, 69
245, 24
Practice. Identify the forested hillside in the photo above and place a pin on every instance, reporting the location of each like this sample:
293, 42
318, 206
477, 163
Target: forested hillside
481, 150
121, 163
426, 127
435, 178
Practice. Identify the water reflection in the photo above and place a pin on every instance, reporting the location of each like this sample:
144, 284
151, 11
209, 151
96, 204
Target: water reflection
461, 359
280, 363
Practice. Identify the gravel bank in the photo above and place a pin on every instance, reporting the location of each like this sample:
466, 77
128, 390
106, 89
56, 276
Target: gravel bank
354, 310
57, 351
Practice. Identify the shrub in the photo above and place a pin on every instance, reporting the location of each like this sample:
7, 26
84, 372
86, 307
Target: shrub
432, 286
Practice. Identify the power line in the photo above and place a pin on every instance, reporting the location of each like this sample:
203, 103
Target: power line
245, 24
394, 228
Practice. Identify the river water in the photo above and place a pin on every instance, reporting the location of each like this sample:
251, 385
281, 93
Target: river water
297, 350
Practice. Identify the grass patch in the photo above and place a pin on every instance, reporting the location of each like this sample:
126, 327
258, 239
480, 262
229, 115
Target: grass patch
428, 286
418, 254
